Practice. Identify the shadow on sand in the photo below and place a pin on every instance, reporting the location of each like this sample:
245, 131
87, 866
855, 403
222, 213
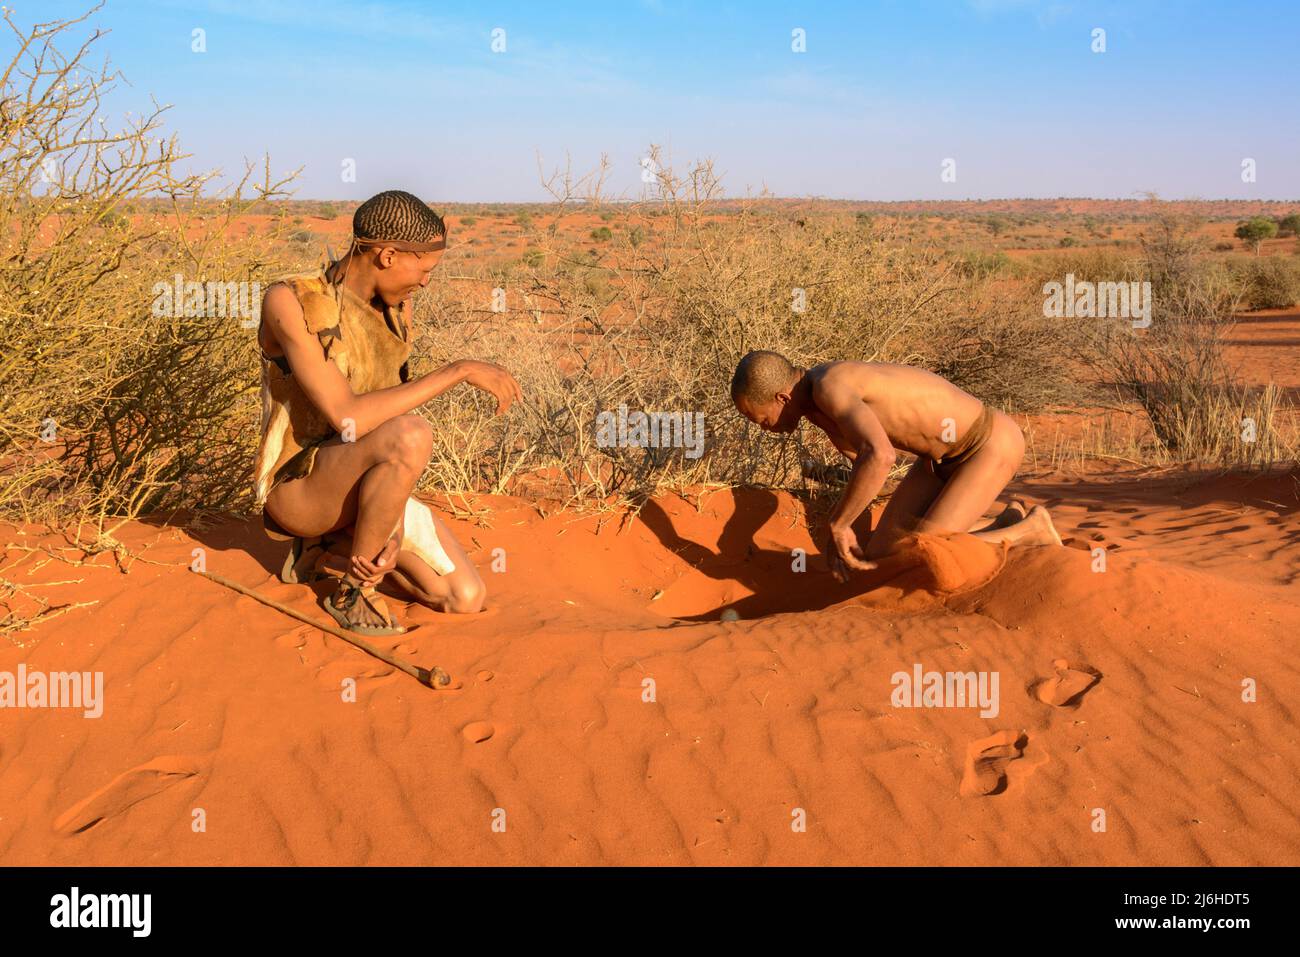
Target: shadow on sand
768, 573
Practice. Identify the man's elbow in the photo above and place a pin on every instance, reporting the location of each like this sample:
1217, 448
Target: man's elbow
877, 460
342, 419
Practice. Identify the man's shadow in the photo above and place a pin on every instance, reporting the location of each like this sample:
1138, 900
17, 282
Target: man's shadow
772, 575
232, 533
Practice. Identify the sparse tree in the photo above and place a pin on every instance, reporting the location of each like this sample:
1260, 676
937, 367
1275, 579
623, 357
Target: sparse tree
1255, 230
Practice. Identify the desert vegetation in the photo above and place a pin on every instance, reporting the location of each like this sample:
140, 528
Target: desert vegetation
113, 404
113, 407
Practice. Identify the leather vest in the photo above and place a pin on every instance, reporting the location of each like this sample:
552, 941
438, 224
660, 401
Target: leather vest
371, 351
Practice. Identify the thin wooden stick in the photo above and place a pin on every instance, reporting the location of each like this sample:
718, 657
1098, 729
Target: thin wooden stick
433, 677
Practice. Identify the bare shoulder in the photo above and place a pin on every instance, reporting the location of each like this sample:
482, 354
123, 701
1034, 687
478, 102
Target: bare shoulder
834, 383
280, 299
281, 317
280, 306
876, 378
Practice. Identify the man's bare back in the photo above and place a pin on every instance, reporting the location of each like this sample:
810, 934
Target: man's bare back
915, 408
966, 452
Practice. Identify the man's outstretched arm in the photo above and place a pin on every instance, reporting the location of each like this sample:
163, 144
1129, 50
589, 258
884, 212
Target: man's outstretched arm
330, 392
873, 456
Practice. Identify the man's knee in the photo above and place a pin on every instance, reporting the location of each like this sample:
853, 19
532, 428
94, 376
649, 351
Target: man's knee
999, 458
467, 595
1016, 447
407, 439
1011, 440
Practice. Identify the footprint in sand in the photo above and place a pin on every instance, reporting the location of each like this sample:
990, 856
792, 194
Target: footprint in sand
478, 732
1066, 686
986, 762
128, 788
1089, 543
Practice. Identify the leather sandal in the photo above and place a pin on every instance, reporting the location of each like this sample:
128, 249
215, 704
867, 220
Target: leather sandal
350, 599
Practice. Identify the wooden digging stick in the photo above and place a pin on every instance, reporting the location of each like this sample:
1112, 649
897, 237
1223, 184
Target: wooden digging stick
433, 677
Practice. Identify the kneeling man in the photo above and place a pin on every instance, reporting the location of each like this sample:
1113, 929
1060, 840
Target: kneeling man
966, 452
341, 448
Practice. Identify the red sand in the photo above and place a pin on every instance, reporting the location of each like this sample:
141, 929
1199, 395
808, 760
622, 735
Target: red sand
1120, 691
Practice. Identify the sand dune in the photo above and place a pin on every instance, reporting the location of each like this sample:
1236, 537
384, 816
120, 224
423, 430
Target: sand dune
601, 713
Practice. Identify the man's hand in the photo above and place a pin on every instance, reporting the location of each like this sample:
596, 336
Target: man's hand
843, 553
371, 572
494, 379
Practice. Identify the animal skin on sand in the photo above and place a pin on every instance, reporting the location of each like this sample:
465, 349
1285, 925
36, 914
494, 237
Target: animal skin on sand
422, 537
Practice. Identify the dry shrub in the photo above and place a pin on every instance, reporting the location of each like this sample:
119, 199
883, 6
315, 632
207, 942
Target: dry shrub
1176, 369
657, 318
110, 405
1266, 282
1086, 265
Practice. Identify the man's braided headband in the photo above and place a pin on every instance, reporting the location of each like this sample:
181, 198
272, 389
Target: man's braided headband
404, 245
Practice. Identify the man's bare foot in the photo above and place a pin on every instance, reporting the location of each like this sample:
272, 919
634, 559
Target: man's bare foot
1039, 529
1013, 514
1035, 528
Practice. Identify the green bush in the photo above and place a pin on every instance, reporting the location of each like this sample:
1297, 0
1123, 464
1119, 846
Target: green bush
1268, 282
1255, 231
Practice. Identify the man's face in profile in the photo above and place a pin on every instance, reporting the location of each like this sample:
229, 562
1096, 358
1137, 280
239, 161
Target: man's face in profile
776, 415
401, 273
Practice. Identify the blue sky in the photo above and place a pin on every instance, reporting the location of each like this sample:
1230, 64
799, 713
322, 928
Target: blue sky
885, 92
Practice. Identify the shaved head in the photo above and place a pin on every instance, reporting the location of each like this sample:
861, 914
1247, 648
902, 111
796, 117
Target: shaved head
761, 375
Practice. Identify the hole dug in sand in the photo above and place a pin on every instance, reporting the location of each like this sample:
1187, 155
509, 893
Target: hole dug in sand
722, 589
